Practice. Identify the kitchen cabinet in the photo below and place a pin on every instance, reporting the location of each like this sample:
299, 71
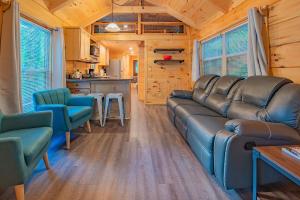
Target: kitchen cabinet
104, 56
77, 44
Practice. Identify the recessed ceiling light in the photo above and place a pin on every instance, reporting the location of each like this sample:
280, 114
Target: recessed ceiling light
130, 48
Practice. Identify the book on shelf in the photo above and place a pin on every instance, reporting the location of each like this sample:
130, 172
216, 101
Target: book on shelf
292, 151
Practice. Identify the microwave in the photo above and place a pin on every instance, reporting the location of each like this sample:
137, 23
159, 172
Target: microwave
95, 51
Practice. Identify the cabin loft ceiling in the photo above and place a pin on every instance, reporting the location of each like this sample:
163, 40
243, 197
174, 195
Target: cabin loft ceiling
195, 13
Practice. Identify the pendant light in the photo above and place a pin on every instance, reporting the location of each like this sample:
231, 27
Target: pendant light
112, 27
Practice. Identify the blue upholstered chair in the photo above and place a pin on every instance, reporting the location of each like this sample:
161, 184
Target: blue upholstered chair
24, 140
69, 112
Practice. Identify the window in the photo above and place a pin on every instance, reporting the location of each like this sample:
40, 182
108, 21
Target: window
227, 53
35, 61
212, 56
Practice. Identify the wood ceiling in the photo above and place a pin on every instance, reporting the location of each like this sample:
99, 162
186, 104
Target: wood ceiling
195, 13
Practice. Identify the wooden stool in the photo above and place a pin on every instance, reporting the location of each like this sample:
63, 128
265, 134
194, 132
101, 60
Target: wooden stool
119, 97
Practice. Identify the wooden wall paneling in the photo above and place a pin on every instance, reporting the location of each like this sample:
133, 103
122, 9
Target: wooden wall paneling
234, 16
284, 31
286, 55
141, 74
162, 79
283, 10
291, 73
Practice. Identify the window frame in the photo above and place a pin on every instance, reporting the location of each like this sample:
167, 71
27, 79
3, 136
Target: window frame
224, 57
49, 72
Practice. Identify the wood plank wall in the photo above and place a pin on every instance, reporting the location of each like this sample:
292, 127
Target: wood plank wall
284, 31
141, 74
233, 17
160, 80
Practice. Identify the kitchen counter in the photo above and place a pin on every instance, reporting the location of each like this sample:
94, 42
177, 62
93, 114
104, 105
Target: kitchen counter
98, 79
105, 86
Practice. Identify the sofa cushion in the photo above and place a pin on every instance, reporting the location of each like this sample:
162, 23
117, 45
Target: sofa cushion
284, 106
77, 112
204, 128
33, 140
173, 102
184, 111
220, 97
202, 87
254, 94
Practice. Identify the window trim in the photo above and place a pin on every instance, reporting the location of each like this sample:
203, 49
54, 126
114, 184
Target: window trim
224, 56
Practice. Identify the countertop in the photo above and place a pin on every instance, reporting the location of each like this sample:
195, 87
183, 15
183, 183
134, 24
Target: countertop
97, 79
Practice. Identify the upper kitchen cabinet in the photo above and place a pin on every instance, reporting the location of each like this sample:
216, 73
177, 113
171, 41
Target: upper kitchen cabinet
77, 42
104, 56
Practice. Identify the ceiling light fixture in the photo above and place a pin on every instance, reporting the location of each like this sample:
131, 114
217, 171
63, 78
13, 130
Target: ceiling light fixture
112, 27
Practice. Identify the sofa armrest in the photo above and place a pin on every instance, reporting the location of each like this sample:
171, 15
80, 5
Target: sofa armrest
233, 151
184, 94
81, 101
61, 121
26, 120
13, 167
263, 130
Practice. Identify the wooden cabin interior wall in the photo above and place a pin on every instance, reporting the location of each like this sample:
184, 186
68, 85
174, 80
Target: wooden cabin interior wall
141, 74
156, 81
162, 79
284, 31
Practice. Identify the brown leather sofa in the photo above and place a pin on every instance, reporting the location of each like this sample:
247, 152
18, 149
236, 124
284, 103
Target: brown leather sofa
223, 118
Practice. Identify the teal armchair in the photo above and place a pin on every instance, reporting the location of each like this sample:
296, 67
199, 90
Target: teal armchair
69, 112
24, 140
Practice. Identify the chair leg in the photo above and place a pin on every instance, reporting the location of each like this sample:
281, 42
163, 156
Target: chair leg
46, 161
19, 191
100, 107
121, 110
68, 140
88, 126
105, 110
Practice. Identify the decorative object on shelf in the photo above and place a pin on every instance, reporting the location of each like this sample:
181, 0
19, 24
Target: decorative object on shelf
112, 27
167, 57
168, 62
168, 51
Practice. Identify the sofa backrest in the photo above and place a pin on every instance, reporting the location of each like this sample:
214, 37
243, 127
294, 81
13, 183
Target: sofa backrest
203, 86
56, 96
284, 107
253, 96
222, 93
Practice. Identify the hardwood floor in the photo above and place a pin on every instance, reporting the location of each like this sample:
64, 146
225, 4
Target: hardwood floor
145, 160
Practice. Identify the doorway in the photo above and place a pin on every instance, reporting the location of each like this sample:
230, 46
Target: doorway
125, 61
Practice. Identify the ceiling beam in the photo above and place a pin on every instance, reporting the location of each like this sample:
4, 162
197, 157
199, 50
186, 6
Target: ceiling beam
135, 37
55, 5
175, 13
222, 5
121, 9
139, 9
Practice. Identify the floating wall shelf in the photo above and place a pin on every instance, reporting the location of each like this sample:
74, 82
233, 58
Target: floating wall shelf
168, 51
168, 62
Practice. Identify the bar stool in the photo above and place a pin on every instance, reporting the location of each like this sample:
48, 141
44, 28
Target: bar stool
99, 98
119, 97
